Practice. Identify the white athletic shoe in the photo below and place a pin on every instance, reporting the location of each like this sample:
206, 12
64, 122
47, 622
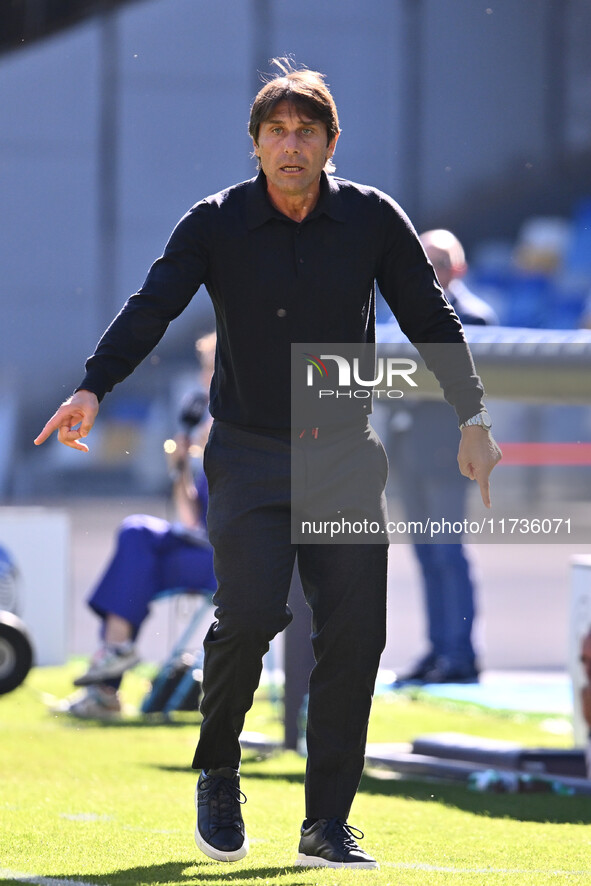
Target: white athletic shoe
94, 703
108, 663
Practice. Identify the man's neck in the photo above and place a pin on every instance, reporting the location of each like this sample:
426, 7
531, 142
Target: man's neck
294, 206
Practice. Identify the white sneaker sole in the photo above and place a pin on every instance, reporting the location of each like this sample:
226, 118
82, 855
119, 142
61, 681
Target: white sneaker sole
217, 854
314, 861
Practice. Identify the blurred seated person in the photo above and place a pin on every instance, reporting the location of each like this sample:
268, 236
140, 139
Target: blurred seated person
422, 447
152, 556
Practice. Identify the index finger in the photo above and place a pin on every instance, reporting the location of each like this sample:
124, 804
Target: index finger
51, 426
64, 420
484, 484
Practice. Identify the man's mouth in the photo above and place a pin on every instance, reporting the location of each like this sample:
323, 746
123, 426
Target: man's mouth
291, 168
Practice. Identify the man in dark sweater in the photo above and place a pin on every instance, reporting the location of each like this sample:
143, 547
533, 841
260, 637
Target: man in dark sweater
291, 256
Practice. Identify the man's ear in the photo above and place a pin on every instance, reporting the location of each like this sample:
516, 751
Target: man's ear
255, 148
331, 146
458, 271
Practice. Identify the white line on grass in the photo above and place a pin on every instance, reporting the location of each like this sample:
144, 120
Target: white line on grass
417, 866
40, 881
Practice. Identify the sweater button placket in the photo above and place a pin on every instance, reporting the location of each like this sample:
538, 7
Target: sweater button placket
299, 259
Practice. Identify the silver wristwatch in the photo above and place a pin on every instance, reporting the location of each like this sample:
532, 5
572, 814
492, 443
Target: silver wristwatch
481, 418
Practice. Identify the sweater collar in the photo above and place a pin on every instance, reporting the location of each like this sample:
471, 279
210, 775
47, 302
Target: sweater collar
260, 210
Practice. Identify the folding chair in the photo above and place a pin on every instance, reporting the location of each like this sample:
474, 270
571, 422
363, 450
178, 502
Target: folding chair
152, 701
173, 701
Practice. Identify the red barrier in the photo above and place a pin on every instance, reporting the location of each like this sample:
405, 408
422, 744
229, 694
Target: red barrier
546, 453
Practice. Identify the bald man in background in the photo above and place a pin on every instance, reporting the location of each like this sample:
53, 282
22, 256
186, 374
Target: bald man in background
423, 446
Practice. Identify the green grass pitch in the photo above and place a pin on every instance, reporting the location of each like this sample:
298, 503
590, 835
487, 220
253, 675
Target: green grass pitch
113, 804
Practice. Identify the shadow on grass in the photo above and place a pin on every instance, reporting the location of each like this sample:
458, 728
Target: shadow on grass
141, 721
184, 873
539, 807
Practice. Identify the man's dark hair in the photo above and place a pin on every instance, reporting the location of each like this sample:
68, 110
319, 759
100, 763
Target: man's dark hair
304, 89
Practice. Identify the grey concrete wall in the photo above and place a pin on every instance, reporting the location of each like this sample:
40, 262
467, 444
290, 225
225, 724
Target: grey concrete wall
186, 73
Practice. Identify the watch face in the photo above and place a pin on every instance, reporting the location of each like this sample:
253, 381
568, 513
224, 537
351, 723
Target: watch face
486, 422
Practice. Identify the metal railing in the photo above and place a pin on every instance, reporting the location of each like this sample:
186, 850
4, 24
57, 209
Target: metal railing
533, 365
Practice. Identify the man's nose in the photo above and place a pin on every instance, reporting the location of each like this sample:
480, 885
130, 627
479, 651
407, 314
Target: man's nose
290, 144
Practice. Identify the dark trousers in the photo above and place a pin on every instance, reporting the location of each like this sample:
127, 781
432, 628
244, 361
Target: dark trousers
249, 522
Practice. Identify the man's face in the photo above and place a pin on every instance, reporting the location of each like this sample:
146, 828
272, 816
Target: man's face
292, 150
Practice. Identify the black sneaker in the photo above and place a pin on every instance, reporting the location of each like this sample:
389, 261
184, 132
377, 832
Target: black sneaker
329, 843
417, 673
220, 830
445, 672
